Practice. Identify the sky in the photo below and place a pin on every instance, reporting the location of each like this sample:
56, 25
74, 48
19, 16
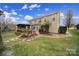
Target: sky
22, 12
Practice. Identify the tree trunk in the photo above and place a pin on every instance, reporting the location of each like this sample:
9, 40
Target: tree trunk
0, 38
1, 43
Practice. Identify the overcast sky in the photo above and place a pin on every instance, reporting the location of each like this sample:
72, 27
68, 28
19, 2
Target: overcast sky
21, 12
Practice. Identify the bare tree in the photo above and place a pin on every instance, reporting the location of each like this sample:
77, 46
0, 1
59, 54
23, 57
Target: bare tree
69, 18
11, 25
8, 23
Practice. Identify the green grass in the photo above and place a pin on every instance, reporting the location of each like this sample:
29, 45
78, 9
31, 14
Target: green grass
8, 35
44, 46
76, 40
41, 46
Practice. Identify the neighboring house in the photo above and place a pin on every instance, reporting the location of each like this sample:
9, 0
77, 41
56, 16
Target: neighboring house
48, 23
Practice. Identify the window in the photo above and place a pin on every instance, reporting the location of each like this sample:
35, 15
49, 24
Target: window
45, 20
33, 27
53, 18
39, 21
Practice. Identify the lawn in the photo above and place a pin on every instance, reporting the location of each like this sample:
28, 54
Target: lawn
44, 46
8, 35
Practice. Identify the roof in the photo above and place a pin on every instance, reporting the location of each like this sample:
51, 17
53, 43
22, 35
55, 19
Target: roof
23, 25
43, 16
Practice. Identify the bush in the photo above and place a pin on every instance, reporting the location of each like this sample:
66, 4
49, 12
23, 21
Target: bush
77, 26
62, 29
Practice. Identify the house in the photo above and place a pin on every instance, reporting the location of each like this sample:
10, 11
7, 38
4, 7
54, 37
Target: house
47, 23
22, 28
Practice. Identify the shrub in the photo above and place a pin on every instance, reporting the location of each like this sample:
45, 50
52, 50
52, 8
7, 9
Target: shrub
77, 26
62, 29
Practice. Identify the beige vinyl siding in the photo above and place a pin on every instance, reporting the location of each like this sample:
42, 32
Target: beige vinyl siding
54, 24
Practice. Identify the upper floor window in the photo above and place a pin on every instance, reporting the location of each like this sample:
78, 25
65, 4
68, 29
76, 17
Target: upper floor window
45, 20
39, 21
53, 18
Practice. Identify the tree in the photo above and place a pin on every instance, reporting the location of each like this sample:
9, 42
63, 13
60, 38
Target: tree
69, 18
1, 13
1, 41
7, 23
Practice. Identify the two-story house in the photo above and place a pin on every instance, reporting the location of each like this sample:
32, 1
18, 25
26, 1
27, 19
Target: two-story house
49, 23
